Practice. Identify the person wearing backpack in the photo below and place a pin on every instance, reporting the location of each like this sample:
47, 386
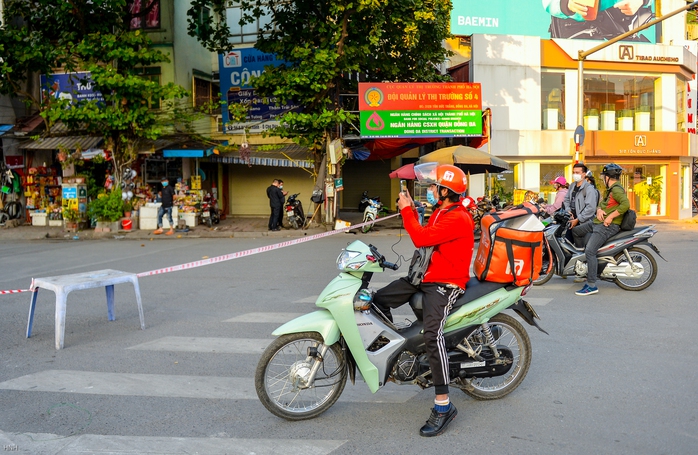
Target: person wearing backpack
581, 201
609, 215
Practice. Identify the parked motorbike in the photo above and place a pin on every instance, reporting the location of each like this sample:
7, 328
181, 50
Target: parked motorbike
303, 372
294, 212
621, 261
371, 213
209, 210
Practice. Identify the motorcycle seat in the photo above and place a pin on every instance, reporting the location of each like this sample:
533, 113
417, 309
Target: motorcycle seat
624, 234
474, 289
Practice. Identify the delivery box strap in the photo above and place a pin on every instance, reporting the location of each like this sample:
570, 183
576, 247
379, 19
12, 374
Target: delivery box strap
510, 252
497, 215
509, 244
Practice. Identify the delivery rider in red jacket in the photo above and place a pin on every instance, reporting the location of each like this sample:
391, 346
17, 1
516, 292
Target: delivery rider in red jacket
450, 232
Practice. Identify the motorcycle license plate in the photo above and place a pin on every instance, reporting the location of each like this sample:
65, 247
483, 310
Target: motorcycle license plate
290, 213
205, 214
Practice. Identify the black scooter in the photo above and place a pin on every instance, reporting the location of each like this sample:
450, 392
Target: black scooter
294, 212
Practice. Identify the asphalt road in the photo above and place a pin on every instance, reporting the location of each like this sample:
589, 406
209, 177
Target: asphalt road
616, 374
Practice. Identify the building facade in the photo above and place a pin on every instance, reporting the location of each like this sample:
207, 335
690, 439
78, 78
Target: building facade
638, 105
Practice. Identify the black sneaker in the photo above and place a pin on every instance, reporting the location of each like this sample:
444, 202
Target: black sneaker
437, 422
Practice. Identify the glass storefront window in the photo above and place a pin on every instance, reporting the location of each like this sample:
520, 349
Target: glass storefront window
619, 102
645, 185
549, 172
553, 100
685, 186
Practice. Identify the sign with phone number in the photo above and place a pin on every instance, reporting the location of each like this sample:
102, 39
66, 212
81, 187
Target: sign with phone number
392, 124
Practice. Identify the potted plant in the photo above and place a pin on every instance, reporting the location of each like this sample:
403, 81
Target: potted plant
128, 208
71, 217
107, 209
654, 193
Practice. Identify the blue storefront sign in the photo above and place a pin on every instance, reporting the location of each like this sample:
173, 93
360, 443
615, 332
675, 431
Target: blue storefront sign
74, 87
236, 69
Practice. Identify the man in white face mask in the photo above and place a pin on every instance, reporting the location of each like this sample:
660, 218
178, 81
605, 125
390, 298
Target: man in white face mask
580, 201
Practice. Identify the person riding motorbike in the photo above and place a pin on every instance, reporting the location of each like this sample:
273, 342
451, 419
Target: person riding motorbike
609, 215
561, 187
450, 233
581, 202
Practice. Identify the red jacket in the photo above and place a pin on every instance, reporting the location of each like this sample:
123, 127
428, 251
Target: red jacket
450, 232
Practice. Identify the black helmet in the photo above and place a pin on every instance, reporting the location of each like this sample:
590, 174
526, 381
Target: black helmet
612, 170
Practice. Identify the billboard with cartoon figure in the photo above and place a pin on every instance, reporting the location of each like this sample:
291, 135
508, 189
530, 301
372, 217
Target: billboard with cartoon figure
569, 19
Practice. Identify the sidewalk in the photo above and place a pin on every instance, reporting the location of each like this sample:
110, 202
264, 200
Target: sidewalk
231, 227
241, 227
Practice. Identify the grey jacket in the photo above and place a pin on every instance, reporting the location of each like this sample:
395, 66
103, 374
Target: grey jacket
584, 202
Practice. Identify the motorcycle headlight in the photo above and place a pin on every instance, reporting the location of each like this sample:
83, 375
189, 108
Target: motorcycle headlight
345, 258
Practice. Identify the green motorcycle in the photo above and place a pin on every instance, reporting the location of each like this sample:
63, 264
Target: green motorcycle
303, 372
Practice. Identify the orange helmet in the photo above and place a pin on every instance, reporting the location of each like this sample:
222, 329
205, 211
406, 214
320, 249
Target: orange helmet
451, 177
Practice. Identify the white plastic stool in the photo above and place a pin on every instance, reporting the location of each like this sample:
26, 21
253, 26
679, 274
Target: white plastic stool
63, 285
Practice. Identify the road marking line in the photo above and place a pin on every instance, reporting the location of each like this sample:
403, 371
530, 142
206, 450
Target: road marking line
162, 385
52, 444
263, 317
206, 344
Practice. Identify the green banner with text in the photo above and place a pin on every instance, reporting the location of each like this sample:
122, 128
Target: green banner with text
420, 109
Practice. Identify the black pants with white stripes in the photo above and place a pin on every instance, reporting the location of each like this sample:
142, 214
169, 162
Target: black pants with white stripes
438, 301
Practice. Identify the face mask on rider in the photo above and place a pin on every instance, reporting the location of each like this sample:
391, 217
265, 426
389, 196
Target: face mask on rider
431, 199
164, 184
577, 177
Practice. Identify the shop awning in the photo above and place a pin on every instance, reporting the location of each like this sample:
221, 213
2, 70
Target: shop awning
5, 128
288, 155
190, 150
68, 142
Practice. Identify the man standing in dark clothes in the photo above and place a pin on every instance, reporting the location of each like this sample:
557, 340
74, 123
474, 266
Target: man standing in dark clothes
282, 212
166, 207
276, 202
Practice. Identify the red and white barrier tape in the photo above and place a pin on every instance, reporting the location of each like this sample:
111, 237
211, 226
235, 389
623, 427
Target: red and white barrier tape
263, 249
239, 254
14, 291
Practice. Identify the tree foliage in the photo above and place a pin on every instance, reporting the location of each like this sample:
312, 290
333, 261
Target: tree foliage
46, 36
328, 45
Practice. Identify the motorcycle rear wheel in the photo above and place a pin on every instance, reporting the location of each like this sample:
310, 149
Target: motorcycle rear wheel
514, 337
649, 265
368, 227
295, 222
281, 370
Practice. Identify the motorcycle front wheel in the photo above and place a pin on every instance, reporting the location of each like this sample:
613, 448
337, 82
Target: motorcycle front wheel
368, 227
282, 372
509, 333
649, 266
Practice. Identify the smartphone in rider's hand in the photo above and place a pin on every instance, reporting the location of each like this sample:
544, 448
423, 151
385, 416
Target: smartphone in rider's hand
403, 186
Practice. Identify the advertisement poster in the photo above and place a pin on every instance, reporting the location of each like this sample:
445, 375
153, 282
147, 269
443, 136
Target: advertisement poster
603, 19
74, 87
236, 69
420, 109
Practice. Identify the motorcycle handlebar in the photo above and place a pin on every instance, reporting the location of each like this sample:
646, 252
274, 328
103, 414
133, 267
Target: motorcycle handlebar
390, 265
381, 259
